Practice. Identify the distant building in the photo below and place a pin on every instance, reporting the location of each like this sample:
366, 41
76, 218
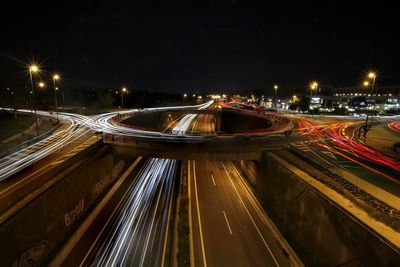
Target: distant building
320, 98
383, 99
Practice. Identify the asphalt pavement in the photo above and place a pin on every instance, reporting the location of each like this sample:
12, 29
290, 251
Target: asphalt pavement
229, 227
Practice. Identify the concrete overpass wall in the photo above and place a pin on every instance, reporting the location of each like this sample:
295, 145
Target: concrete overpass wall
154, 121
35, 232
320, 231
235, 122
191, 151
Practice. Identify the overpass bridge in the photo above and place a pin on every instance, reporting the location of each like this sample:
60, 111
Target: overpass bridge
239, 147
245, 146
217, 115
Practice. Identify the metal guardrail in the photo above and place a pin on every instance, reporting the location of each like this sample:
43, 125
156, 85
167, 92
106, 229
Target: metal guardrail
29, 142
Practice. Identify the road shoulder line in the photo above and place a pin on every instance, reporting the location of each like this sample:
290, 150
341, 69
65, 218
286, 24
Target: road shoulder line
198, 216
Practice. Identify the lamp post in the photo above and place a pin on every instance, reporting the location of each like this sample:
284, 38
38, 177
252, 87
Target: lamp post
313, 86
124, 90
366, 127
55, 78
275, 89
34, 69
372, 76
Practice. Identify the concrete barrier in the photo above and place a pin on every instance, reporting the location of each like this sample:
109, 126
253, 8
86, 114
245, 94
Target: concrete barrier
33, 234
321, 232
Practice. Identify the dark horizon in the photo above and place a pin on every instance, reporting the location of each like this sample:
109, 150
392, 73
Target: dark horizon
208, 47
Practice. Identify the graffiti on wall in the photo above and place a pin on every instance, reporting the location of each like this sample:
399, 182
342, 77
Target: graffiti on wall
71, 216
34, 256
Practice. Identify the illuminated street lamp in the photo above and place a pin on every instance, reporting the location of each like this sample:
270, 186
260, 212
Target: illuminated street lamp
42, 85
372, 76
313, 86
56, 77
34, 69
275, 89
123, 91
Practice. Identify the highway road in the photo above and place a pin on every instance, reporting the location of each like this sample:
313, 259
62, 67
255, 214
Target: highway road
228, 225
334, 140
136, 234
74, 129
105, 123
26, 170
70, 131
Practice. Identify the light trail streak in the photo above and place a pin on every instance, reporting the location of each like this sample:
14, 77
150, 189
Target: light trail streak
395, 126
133, 237
104, 123
19, 160
341, 144
78, 126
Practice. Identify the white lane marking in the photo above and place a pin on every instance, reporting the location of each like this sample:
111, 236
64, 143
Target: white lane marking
192, 261
251, 218
212, 177
227, 222
198, 214
257, 206
166, 234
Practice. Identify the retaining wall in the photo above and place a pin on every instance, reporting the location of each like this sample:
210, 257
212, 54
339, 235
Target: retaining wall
31, 236
320, 232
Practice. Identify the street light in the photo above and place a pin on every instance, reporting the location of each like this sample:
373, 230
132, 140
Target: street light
41, 85
313, 86
56, 77
276, 89
34, 69
371, 75
124, 90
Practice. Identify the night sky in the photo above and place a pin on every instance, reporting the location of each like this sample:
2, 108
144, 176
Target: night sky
201, 46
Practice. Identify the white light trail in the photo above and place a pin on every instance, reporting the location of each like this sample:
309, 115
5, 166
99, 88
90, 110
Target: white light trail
78, 126
20, 159
104, 123
135, 236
